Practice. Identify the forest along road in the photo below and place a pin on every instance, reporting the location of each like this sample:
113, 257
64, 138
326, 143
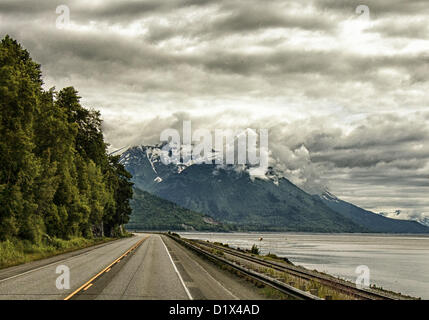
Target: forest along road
149, 267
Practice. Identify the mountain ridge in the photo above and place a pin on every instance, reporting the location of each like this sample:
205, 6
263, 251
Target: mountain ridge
373, 221
228, 193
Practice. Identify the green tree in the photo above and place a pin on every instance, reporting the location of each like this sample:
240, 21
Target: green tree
119, 182
20, 88
56, 176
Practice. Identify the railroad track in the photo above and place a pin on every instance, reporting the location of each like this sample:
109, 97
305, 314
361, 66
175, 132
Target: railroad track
267, 281
336, 284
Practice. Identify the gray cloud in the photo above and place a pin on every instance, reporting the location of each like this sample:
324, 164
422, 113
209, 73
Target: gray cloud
412, 28
377, 7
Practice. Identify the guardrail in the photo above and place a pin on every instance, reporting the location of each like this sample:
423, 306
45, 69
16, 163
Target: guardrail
278, 285
335, 284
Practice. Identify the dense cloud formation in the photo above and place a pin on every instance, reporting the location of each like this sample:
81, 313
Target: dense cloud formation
344, 94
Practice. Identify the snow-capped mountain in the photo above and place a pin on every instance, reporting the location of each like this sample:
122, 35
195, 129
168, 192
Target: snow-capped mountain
230, 194
157, 158
327, 196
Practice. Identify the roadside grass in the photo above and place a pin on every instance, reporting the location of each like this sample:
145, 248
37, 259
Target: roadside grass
310, 286
14, 252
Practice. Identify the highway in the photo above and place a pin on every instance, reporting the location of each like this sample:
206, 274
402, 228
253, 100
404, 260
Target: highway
142, 267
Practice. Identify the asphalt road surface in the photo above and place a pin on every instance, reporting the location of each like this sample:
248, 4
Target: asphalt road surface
141, 267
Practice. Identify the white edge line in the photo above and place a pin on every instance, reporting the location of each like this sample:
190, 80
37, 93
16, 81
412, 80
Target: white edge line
177, 271
205, 271
30, 271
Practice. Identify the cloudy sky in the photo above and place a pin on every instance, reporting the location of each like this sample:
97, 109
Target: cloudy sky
343, 89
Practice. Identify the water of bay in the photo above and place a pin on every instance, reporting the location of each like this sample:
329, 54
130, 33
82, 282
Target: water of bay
396, 262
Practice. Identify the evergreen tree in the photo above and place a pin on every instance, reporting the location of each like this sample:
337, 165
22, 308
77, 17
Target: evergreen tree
20, 88
123, 192
56, 176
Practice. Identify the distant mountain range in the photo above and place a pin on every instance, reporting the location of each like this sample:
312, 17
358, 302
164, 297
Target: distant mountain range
374, 222
228, 194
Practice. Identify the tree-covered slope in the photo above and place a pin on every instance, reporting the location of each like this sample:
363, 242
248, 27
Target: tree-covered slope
153, 213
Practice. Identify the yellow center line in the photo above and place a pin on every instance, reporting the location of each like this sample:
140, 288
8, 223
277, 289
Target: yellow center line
86, 284
87, 287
